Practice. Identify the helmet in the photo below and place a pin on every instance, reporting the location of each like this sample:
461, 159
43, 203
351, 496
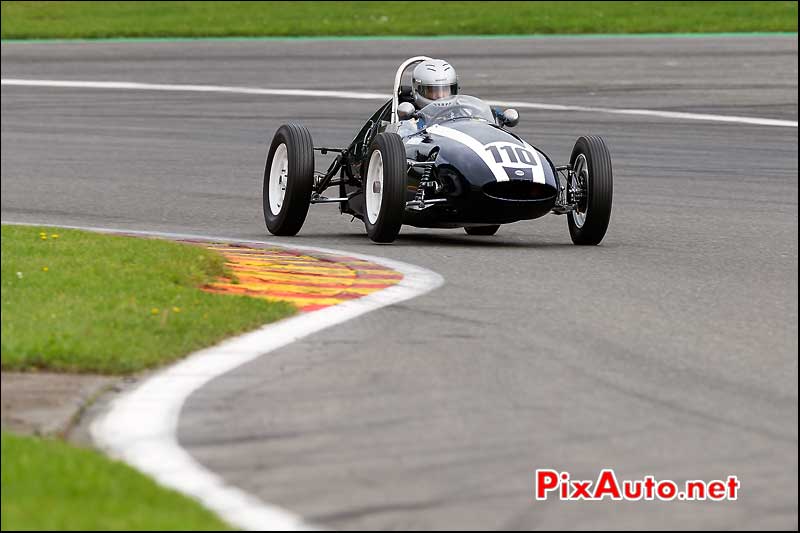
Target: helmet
433, 79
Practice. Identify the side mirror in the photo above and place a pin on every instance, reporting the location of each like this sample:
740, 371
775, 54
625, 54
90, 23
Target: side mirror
510, 118
406, 110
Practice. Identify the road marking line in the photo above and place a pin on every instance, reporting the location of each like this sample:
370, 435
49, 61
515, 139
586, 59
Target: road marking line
679, 115
352, 95
140, 426
133, 86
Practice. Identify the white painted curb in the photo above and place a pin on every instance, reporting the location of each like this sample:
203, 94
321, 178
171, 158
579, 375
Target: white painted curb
140, 426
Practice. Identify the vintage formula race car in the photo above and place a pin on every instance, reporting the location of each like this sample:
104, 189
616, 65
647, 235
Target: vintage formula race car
458, 167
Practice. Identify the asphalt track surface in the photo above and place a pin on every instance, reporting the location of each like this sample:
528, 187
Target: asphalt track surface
670, 350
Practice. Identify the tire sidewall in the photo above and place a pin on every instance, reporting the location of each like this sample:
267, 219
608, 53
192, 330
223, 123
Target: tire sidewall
272, 220
389, 219
382, 213
597, 213
299, 182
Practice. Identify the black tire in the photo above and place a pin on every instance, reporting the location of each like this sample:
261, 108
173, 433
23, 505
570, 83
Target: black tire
299, 180
482, 230
388, 218
599, 189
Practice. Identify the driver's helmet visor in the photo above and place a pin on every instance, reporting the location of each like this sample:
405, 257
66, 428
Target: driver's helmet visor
435, 92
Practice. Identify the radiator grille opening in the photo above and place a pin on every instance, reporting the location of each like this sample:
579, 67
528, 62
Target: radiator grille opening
519, 190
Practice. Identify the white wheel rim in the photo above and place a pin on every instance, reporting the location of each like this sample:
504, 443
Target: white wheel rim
374, 189
580, 176
278, 175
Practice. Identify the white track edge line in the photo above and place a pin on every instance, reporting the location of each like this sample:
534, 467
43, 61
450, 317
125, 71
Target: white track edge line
351, 95
140, 426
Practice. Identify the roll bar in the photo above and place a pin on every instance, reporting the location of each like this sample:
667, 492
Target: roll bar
395, 96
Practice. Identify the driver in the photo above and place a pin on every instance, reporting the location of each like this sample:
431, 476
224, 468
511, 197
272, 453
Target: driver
431, 80
436, 79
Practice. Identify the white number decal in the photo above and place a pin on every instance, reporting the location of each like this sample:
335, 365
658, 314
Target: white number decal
511, 154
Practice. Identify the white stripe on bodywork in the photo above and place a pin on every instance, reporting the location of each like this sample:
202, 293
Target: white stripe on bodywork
538, 171
473, 144
476, 146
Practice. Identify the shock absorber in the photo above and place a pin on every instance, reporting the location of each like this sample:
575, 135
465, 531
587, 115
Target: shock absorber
426, 172
427, 183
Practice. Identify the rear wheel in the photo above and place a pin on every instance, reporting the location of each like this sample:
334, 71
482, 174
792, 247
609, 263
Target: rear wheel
482, 230
288, 180
385, 188
590, 187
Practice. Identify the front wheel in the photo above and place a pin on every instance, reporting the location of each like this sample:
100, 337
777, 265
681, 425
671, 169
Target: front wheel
590, 188
385, 188
288, 180
482, 230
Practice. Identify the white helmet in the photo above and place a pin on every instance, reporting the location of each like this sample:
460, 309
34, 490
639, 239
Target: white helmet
433, 79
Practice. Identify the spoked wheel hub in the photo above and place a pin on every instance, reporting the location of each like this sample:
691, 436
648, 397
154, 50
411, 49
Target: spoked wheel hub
578, 188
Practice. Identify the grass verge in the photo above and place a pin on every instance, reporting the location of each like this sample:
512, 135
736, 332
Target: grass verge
68, 19
49, 485
86, 302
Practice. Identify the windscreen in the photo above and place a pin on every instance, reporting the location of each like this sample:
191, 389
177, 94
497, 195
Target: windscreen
454, 108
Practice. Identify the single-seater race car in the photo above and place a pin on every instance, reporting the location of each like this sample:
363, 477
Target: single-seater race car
433, 158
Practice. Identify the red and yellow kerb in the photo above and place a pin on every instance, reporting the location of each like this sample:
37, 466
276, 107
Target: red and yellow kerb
308, 281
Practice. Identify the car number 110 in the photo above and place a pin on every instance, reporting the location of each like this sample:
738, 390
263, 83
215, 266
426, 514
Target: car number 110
508, 153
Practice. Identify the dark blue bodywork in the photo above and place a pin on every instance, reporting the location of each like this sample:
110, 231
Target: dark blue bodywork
474, 194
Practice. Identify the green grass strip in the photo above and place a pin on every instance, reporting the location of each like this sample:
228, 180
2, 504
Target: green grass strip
113, 40
103, 20
85, 302
49, 485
